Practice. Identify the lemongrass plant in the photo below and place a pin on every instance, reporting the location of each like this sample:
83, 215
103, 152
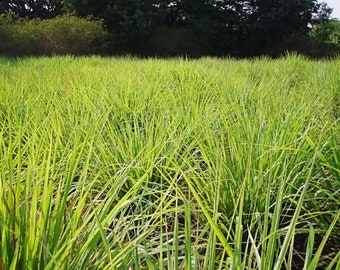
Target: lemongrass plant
123, 163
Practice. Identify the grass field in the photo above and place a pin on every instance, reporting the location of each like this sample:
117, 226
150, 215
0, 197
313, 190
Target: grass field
122, 163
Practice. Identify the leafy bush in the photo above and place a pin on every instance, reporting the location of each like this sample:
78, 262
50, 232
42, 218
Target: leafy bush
62, 35
327, 31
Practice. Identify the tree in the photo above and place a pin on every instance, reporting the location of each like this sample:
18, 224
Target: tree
210, 25
219, 26
243, 26
44, 9
130, 22
327, 32
264, 22
324, 29
323, 12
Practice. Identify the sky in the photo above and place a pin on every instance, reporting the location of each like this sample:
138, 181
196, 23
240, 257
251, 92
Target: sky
335, 4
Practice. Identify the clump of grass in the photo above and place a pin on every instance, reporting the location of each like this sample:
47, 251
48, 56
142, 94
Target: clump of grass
169, 164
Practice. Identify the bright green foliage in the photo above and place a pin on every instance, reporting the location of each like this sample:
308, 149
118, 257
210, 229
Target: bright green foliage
169, 164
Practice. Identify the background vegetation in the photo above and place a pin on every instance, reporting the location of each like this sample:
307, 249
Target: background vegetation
169, 28
169, 164
61, 35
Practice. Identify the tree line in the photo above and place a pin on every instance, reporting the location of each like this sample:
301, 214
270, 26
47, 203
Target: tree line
194, 28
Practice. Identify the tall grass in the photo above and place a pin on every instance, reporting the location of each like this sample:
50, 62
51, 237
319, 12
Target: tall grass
169, 164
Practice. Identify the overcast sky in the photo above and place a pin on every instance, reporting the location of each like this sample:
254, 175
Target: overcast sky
335, 4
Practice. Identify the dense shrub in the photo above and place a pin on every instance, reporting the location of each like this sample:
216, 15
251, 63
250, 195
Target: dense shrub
62, 35
327, 31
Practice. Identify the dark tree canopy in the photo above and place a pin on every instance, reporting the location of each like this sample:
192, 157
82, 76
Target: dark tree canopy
264, 22
130, 22
213, 27
44, 9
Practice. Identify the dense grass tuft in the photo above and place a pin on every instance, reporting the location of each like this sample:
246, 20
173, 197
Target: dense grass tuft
169, 164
